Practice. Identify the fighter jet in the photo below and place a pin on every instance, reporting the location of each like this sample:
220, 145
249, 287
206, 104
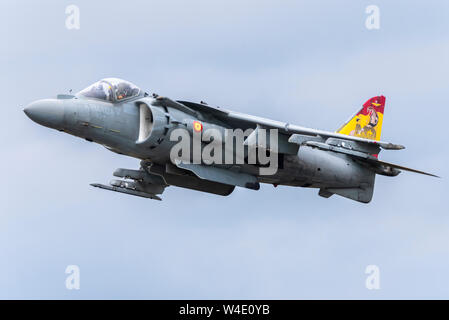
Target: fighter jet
210, 149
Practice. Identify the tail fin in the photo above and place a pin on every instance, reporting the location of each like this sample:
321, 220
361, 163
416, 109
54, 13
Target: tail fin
367, 123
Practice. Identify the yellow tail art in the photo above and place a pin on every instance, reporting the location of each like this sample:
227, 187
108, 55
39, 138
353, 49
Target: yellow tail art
367, 123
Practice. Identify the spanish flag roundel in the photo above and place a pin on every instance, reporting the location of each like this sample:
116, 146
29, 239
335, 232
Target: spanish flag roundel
197, 126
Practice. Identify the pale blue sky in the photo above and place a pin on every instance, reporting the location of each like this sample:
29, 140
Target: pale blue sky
311, 63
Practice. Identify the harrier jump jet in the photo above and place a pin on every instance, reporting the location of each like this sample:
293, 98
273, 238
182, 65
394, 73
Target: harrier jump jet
126, 120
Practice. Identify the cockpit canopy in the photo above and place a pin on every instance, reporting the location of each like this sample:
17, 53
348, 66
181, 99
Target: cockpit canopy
111, 89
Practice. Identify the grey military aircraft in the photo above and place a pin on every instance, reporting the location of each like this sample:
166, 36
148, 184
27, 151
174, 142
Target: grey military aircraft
126, 120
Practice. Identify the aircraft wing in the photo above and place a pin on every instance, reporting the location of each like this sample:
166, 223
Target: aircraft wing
244, 121
359, 147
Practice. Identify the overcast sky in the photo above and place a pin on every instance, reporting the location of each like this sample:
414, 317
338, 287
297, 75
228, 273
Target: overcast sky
311, 63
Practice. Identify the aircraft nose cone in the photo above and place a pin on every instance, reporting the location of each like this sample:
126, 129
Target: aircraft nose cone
47, 112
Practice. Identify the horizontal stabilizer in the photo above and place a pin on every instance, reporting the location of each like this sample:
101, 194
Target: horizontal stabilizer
395, 166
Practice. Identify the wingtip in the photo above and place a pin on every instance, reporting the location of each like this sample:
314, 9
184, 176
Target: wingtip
397, 146
391, 146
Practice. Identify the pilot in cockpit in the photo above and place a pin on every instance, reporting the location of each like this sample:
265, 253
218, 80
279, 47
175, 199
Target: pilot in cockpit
107, 88
122, 91
101, 92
